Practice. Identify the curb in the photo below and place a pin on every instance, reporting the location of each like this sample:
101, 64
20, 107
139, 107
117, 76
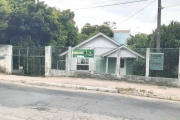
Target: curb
101, 89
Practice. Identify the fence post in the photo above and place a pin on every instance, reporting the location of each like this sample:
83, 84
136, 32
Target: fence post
48, 57
69, 58
147, 61
6, 58
179, 67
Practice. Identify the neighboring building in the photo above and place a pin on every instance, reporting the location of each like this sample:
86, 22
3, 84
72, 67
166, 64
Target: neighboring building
121, 36
101, 54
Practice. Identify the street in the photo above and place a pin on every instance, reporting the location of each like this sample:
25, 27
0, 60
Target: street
32, 103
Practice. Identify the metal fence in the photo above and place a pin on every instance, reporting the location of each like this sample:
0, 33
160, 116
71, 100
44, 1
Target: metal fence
138, 65
170, 63
132, 62
29, 61
58, 62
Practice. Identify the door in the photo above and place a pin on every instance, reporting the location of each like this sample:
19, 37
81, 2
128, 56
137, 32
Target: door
123, 66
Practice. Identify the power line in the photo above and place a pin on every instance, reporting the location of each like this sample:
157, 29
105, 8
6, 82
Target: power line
109, 5
83, 1
92, 3
139, 11
172, 5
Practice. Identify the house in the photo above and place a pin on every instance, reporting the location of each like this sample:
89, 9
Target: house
121, 36
101, 54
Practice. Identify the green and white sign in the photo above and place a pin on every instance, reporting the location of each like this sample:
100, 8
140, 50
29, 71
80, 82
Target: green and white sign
83, 53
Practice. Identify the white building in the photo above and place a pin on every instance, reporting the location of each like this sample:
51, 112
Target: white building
108, 56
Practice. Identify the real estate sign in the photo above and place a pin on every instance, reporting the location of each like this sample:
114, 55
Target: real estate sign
87, 53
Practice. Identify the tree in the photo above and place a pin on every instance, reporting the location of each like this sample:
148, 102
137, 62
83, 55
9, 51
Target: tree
91, 30
110, 24
88, 29
170, 38
82, 37
71, 32
4, 13
137, 41
42, 24
106, 30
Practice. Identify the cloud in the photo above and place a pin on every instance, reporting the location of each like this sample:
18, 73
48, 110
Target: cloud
144, 21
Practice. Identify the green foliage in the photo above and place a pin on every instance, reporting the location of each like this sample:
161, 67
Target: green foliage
4, 13
82, 37
170, 38
139, 67
4, 17
91, 30
138, 41
32, 60
41, 24
110, 24
56, 58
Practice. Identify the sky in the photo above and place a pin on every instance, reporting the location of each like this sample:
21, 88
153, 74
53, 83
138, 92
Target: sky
124, 14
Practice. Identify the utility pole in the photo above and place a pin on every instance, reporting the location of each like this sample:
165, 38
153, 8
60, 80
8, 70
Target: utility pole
158, 44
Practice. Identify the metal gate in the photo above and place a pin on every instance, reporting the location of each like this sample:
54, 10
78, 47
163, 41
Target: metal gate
29, 61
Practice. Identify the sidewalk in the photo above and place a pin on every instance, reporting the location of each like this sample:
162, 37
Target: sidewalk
152, 91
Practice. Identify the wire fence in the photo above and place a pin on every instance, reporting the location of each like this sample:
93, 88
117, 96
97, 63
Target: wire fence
132, 61
137, 66
58, 61
170, 63
163, 62
30, 60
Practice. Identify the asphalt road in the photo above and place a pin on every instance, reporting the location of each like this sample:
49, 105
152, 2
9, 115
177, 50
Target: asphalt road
112, 105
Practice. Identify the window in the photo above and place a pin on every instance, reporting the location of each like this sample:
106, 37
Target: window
122, 63
82, 63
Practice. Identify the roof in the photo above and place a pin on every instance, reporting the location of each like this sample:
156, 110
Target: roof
121, 31
86, 41
122, 46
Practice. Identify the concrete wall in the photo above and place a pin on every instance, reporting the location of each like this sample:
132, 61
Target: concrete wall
129, 78
6, 59
48, 58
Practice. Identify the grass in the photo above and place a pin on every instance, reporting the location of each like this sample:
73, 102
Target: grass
125, 89
150, 92
82, 88
144, 91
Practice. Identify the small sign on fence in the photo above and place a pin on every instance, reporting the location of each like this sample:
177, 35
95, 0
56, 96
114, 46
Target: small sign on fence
157, 61
87, 53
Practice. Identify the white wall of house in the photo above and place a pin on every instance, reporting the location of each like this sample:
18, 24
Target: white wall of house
100, 44
74, 64
123, 53
127, 54
99, 41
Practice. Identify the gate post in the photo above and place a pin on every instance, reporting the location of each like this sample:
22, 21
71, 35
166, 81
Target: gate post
48, 55
6, 59
69, 58
147, 61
